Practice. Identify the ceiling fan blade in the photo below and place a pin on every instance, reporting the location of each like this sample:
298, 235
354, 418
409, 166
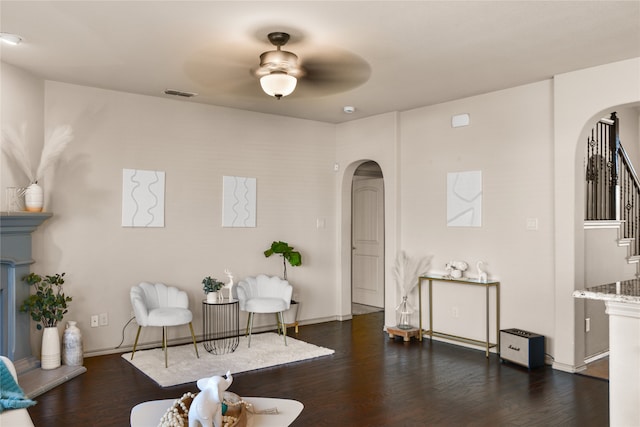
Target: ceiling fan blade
224, 72
333, 72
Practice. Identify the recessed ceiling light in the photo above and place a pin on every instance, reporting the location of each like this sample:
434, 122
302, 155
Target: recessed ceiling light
349, 109
12, 39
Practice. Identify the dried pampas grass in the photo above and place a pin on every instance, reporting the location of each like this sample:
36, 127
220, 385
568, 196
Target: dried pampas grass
14, 145
408, 269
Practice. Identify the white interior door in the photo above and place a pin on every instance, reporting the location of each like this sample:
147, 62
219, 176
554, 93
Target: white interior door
367, 264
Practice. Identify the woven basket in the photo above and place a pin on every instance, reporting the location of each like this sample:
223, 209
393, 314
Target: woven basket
177, 417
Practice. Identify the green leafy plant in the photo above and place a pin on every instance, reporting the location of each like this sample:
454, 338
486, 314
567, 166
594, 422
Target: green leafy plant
211, 285
49, 304
287, 253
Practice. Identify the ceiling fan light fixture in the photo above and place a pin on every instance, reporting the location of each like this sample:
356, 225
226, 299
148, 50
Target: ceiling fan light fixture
278, 84
279, 70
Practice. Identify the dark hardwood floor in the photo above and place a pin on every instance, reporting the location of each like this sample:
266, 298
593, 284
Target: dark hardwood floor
369, 381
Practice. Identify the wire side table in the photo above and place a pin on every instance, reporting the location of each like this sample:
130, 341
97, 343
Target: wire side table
220, 325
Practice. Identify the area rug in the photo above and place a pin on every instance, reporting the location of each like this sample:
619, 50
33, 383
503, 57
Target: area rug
266, 350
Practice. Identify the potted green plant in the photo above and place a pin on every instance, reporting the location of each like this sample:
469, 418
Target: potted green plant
47, 306
211, 288
294, 258
287, 253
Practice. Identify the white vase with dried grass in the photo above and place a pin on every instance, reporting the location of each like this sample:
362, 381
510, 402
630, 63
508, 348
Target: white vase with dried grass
14, 145
33, 198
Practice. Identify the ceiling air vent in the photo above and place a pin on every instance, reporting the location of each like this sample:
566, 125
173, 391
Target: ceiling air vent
180, 93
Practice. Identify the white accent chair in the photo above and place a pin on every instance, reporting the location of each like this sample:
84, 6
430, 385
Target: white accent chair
264, 294
14, 417
162, 306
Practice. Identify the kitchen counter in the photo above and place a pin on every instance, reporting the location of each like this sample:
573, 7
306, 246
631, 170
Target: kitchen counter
627, 291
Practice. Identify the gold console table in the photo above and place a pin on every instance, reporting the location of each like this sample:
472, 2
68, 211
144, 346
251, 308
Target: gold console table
473, 282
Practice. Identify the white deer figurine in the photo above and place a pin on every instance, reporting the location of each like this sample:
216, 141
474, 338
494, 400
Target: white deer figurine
229, 285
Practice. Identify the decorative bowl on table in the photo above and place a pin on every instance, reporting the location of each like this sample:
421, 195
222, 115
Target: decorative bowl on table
234, 416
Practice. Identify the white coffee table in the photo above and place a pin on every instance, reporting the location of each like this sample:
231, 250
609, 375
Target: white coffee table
148, 414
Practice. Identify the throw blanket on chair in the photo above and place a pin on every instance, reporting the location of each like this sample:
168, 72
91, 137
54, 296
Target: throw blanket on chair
11, 395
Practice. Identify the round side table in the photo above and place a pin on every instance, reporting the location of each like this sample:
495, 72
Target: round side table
220, 325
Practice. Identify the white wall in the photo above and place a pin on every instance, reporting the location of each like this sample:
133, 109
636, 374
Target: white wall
373, 138
580, 98
630, 133
21, 102
509, 139
196, 146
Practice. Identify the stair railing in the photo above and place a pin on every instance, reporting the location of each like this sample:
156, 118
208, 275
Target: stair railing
612, 185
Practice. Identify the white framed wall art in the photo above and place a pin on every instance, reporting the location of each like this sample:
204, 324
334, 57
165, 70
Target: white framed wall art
239, 201
142, 198
464, 199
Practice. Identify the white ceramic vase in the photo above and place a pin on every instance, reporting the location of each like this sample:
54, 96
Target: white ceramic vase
33, 198
72, 345
50, 353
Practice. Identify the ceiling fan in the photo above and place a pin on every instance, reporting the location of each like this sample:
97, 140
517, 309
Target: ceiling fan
319, 71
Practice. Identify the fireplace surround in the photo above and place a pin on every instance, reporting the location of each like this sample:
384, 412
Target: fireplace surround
16, 229
15, 263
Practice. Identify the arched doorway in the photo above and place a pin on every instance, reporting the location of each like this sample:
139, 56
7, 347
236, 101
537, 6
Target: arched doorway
577, 96
367, 239
607, 257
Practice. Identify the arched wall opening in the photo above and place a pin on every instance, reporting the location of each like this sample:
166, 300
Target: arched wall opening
579, 97
367, 239
344, 239
346, 221
630, 112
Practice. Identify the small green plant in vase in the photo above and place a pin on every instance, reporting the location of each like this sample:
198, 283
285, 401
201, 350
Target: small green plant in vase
49, 304
211, 288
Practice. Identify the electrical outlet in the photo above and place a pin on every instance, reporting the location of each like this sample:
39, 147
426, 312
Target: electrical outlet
455, 313
104, 319
94, 321
587, 324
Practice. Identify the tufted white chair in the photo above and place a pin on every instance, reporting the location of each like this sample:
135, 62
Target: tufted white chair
264, 294
162, 306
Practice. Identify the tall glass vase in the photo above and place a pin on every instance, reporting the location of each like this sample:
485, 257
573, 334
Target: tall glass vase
403, 313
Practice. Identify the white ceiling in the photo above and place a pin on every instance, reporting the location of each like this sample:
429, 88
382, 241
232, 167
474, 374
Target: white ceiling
405, 54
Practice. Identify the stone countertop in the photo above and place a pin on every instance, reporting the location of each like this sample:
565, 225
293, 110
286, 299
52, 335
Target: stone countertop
626, 291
